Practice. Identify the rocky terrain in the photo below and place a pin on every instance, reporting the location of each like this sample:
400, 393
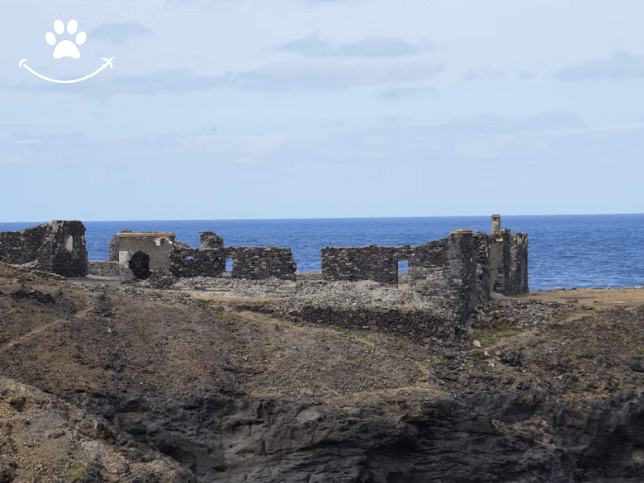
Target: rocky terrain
309, 381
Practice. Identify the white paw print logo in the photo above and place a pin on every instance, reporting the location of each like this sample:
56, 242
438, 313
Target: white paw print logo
66, 48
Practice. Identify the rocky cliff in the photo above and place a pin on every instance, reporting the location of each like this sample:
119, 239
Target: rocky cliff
124, 384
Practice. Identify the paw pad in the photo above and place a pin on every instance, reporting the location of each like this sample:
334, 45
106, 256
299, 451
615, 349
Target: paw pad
66, 48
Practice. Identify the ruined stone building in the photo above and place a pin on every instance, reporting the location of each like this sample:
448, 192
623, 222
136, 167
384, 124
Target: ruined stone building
55, 247
158, 256
463, 268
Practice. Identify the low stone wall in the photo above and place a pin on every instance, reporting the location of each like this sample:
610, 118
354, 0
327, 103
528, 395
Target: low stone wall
416, 324
371, 262
55, 247
103, 268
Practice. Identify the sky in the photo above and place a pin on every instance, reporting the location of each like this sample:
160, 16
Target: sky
254, 109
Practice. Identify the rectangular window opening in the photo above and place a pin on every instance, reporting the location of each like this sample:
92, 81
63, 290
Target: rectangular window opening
402, 266
229, 264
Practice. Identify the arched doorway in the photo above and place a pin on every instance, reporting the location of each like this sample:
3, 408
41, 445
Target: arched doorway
140, 265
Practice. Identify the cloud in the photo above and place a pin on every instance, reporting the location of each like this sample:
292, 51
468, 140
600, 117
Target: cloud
402, 92
313, 46
484, 73
296, 75
119, 32
335, 75
621, 65
525, 74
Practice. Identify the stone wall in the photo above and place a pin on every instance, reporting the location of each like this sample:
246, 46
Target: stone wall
198, 262
56, 247
371, 262
254, 263
482, 260
250, 263
103, 268
453, 269
428, 261
518, 276
499, 260
509, 263
114, 247
456, 268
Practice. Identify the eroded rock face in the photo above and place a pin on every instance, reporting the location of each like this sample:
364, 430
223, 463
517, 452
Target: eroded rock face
495, 438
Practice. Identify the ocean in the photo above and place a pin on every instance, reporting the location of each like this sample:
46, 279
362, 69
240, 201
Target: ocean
566, 251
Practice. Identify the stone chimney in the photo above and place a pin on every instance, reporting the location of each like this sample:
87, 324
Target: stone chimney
496, 224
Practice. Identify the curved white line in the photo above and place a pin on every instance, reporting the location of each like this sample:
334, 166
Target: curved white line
64, 82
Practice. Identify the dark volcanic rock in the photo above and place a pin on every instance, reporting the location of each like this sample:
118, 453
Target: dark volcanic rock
482, 439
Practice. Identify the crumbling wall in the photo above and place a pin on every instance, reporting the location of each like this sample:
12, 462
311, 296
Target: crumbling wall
210, 239
499, 260
250, 263
370, 262
255, 263
517, 283
114, 247
428, 261
455, 269
482, 260
56, 247
198, 262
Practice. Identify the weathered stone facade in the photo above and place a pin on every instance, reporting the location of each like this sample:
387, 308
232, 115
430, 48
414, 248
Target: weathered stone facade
508, 261
499, 260
56, 247
159, 258
250, 263
454, 269
372, 262
518, 264
463, 268
114, 247
142, 255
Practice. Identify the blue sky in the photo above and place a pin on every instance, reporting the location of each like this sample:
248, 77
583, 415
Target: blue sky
222, 109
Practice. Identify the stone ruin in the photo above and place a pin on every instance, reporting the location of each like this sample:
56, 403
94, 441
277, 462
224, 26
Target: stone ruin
158, 257
55, 247
463, 269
